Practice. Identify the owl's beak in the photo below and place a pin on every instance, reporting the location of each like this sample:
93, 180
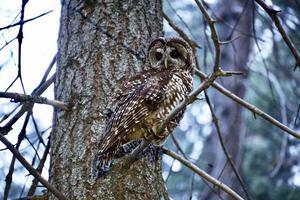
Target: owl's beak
166, 63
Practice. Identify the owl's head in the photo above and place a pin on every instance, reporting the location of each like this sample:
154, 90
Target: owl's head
171, 53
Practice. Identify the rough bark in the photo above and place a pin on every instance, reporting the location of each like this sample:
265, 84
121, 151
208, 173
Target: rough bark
100, 42
234, 56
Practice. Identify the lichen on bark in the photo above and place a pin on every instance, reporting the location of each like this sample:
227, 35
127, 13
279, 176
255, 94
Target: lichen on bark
99, 43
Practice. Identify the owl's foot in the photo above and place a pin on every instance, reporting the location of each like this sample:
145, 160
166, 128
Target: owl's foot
152, 153
127, 148
102, 173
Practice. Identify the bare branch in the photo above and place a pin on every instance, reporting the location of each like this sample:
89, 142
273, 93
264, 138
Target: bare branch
176, 143
28, 106
230, 40
214, 35
181, 32
30, 169
9, 176
203, 174
5, 116
283, 112
20, 40
297, 115
24, 21
181, 19
249, 106
228, 156
46, 74
39, 170
7, 43
273, 14
17, 97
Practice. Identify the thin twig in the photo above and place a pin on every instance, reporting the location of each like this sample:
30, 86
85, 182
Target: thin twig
230, 40
297, 115
176, 143
17, 97
7, 43
192, 187
237, 22
262, 57
46, 74
228, 25
20, 40
170, 170
181, 19
5, 116
214, 35
27, 106
24, 21
273, 14
39, 169
30, 169
228, 156
192, 43
9, 176
37, 130
202, 173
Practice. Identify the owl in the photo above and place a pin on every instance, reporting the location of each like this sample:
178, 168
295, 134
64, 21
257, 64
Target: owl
142, 103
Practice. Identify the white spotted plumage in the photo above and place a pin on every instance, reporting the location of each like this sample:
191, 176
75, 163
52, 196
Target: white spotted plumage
144, 101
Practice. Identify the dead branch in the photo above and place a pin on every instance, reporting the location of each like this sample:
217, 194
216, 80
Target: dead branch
17, 97
39, 169
192, 43
30, 169
282, 102
20, 40
228, 156
214, 35
9, 176
273, 14
24, 21
28, 106
202, 173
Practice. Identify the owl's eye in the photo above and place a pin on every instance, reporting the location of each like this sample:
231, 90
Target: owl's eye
174, 54
158, 55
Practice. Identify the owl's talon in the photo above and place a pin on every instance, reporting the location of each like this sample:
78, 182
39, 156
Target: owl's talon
127, 148
151, 152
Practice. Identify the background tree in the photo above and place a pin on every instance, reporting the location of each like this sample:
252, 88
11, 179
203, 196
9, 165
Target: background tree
235, 22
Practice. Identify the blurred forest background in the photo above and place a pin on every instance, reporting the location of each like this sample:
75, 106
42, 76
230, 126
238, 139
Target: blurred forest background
267, 158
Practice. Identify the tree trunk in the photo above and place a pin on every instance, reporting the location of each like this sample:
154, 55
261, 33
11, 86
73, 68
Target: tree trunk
99, 43
234, 57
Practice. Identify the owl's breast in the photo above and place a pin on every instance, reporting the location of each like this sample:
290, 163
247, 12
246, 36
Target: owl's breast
175, 91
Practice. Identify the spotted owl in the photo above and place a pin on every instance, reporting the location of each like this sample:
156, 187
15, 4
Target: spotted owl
142, 103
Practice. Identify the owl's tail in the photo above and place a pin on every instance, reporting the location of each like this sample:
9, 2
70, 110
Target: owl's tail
104, 162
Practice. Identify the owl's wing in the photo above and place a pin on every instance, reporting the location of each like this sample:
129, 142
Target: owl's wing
132, 107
